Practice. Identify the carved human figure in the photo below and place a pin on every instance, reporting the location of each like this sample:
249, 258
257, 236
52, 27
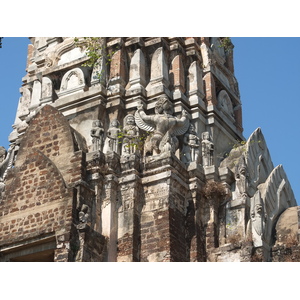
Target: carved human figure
191, 146
113, 133
163, 124
241, 178
207, 149
97, 134
257, 220
83, 214
130, 135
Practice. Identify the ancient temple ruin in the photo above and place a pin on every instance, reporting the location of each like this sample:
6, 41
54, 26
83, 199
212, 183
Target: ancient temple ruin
139, 158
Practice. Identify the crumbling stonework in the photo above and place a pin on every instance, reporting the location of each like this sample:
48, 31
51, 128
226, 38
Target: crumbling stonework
146, 162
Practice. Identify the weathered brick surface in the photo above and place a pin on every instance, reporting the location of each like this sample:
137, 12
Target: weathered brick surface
40, 198
36, 200
50, 133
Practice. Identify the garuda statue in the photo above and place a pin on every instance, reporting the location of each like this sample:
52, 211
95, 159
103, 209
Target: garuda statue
163, 126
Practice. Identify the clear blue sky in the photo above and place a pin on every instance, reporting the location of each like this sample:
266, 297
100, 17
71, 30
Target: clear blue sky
268, 72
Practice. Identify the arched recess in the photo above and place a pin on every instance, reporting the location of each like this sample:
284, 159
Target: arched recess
225, 104
72, 81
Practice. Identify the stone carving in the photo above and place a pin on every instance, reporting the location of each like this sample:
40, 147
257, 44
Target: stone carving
258, 160
137, 74
207, 150
36, 95
277, 195
195, 84
163, 124
241, 177
257, 219
159, 76
130, 135
83, 214
47, 89
72, 81
225, 104
191, 146
113, 133
97, 134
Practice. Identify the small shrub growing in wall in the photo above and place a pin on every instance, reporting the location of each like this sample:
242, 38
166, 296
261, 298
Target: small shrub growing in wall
214, 189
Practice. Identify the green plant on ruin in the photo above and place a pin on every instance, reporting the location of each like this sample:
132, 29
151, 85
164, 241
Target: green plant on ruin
213, 189
238, 148
138, 141
95, 51
226, 44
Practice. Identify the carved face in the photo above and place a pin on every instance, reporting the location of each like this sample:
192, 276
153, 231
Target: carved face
242, 171
130, 120
96, 123
114, 123
167, 108
192, 128
205, 136
258, 208
163, 106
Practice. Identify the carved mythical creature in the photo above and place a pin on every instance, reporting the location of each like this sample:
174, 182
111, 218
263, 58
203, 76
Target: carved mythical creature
113, 135
191, 145
207, 149
163, 124
97, 133
130, 135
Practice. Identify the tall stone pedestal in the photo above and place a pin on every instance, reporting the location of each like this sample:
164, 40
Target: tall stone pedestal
164, 212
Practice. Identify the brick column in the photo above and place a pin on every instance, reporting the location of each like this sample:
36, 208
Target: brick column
128, 219
164, 212
195, 222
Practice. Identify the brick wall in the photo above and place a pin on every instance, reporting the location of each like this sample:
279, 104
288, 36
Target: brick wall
36, 200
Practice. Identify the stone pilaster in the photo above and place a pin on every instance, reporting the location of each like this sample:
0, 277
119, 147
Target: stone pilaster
129, 210
165, 208
195, 214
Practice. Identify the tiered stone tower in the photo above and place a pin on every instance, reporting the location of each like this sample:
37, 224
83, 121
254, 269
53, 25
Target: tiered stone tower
146, 162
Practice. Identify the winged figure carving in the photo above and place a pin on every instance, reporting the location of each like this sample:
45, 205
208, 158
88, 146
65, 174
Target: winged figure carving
163, 124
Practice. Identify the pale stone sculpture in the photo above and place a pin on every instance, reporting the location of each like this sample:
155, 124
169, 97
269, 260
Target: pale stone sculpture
83, 214
225, 104
256, 225
130, 135
241, 177
163, 124
113, 135
191, 146
207, 150
97, 134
